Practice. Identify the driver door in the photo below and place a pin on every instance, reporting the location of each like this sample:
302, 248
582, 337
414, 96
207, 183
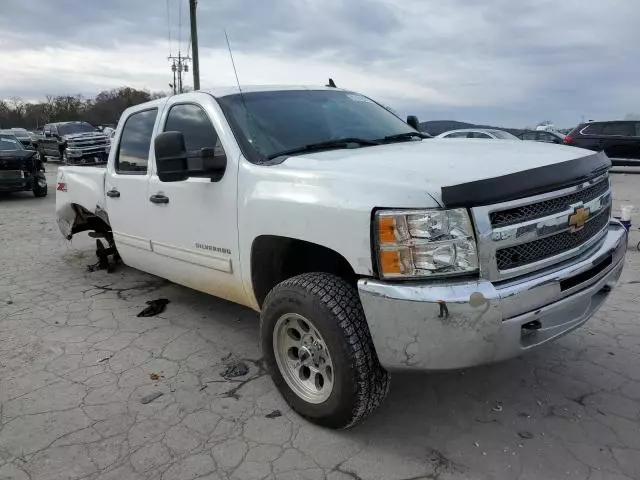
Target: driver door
194, 222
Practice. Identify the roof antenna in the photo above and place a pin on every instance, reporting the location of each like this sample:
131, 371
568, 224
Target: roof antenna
234, 70
331, 84
244, 103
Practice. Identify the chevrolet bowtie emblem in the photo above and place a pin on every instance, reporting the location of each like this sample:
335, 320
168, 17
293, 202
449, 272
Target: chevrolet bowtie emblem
578, 218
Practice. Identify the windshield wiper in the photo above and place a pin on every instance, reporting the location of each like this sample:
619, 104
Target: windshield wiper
329, 144
404, 136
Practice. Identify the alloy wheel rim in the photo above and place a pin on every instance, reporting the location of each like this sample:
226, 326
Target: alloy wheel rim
303, 358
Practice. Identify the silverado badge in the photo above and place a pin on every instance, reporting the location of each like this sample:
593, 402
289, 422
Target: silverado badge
578, 218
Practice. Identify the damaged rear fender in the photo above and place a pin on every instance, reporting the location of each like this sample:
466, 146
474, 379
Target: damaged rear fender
73, 218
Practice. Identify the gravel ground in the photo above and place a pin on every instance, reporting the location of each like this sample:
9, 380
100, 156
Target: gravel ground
79, 372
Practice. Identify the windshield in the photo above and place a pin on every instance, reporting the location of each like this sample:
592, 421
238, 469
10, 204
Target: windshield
9, 142
503, 135
278, 121
76, 127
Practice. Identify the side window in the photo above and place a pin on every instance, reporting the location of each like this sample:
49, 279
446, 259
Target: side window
47, 128
54, 130
592, 129
197, 129
135, 142
637, 129
457, 135
529, 136
617, 128
478, 135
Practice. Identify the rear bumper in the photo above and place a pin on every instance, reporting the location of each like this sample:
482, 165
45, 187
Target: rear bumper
443, 326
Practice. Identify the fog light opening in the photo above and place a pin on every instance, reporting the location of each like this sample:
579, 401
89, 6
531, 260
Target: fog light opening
532, 326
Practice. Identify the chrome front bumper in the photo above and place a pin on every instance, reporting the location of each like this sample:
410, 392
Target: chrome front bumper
449, 325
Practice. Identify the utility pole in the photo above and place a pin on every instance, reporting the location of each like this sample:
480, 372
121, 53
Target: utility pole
178, 65
173, 69
194, 44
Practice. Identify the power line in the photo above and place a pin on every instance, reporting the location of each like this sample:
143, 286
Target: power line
169, 26
179, 24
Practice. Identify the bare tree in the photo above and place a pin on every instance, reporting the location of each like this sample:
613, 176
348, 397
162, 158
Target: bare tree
105, 108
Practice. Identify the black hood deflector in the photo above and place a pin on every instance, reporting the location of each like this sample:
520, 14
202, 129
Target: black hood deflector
525, 183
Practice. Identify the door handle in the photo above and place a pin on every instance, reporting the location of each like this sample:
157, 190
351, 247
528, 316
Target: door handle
158, 198
113, 193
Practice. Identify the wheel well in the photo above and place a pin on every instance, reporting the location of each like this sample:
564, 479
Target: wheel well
274, 259
86, 220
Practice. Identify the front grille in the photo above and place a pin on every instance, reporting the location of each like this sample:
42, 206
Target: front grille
547, 207
10, 174
89, 143
519, 255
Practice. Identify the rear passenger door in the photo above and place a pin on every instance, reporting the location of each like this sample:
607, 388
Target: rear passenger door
618, 139
126, 189
635, 146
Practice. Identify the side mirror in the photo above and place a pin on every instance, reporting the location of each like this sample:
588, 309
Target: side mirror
557, 140
171, 157
413, 122
174, 163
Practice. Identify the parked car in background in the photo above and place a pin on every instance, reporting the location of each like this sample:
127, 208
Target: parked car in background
366, 247
74, 143
620, 140
24, 136
486, 133
545, 136
20, 169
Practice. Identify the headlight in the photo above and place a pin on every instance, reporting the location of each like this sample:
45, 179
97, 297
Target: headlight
425, 243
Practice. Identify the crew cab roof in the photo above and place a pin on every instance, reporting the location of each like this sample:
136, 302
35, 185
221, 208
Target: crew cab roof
219, 92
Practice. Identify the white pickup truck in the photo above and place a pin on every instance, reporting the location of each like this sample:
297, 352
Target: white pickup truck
366, 246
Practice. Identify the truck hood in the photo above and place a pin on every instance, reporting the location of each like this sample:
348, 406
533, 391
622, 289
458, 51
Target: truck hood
436, 165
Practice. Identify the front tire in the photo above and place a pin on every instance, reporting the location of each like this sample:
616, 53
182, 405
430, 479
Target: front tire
40, 186
319, 352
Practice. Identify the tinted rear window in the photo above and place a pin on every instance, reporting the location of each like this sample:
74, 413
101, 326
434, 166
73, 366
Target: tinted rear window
618, 128
591, 129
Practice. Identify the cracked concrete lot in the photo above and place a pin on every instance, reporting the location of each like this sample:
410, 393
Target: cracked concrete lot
76, 361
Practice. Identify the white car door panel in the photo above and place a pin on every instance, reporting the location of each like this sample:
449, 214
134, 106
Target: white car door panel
195, 232
126, 188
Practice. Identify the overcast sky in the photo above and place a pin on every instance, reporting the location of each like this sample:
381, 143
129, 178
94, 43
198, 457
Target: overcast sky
505, 62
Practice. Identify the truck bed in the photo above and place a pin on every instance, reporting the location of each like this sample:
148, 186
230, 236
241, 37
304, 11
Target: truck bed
80, 186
